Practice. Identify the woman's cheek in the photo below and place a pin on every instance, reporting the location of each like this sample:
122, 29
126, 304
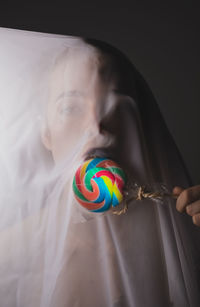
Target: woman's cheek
65, 136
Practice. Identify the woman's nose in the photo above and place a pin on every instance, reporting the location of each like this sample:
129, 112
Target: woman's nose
97, 123
97, 128
101, 127
108, 124
105, 123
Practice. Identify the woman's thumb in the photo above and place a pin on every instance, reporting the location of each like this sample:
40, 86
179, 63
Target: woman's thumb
177, 190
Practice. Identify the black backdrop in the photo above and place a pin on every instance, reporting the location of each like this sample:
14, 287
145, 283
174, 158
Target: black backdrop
161, 38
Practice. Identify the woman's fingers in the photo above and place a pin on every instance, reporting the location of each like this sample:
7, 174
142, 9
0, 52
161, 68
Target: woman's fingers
189, 200
196, 219
187, 197
193, 208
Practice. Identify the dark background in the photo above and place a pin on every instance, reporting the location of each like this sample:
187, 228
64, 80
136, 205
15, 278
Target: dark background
161, 39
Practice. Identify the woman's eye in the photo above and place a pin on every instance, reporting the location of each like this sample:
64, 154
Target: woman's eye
68, 109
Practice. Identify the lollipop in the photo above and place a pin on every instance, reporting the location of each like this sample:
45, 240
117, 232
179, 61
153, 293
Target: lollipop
98, 184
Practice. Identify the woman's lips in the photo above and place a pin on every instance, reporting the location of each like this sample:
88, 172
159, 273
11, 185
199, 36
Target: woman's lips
101, 152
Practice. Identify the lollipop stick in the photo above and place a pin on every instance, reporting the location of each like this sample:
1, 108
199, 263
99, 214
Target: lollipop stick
141, 194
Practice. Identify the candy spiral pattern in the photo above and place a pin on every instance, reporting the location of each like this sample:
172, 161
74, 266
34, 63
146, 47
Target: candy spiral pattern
98, 184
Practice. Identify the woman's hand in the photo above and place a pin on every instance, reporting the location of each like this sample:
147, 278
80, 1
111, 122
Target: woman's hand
189, 200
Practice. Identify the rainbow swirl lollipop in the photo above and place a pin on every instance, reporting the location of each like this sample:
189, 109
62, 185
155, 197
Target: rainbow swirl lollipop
98, 184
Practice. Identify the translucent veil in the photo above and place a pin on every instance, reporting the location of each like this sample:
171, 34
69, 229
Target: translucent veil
52, 251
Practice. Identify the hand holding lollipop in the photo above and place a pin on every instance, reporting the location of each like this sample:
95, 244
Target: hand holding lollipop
189, 200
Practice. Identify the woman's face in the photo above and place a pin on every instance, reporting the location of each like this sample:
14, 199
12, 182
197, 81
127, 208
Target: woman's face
75, 99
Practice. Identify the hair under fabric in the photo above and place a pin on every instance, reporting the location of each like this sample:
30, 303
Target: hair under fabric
59, 255
131, 83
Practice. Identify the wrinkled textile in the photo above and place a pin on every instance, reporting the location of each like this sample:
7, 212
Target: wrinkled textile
62, 97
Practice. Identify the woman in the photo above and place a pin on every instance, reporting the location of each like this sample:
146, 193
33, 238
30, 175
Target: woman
98, 104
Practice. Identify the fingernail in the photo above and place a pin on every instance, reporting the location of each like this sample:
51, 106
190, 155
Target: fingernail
188, 209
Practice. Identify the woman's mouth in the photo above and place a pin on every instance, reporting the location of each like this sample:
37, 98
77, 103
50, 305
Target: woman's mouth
101, 152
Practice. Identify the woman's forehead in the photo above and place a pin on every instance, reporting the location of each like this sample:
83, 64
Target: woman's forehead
87, 58
81, 70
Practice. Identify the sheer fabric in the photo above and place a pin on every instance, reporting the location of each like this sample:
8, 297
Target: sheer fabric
61, 98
